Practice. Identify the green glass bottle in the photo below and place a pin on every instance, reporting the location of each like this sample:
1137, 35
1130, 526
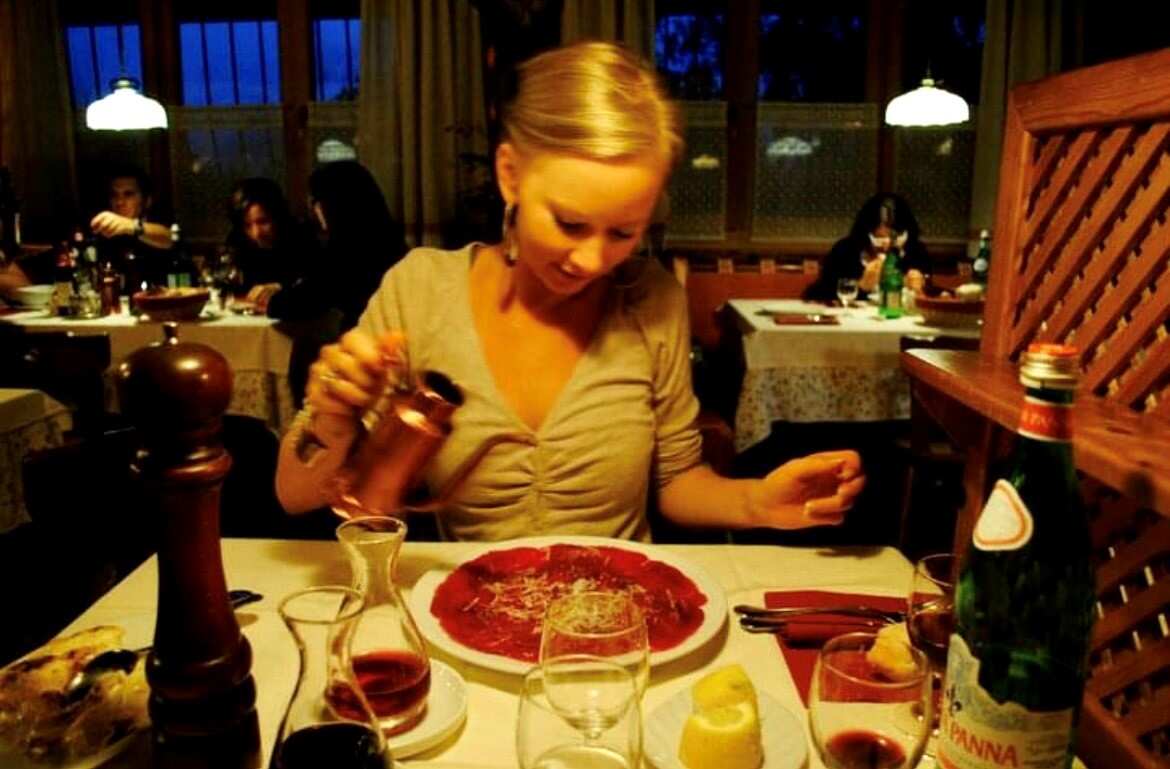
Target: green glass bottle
981, 266
890, 285
1024, 603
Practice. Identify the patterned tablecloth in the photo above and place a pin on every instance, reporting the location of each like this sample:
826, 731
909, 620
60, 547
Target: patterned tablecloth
821, 373
256, 350
29, 421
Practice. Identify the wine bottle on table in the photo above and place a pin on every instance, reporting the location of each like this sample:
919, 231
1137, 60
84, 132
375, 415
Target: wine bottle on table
1024, 602
890, 285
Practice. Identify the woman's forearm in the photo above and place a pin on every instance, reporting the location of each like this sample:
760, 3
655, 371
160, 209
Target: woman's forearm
311, 453
702, 497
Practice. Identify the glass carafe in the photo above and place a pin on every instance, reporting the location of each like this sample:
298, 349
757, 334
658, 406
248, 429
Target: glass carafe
389, 657
313, 733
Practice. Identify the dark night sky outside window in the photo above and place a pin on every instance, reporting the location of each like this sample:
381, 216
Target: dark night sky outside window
688, 49
227, 63
94, 59
947, 37
336, 58
810, 53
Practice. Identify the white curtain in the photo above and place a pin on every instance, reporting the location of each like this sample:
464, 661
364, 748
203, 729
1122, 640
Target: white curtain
628, 21
1023, 42
420, 107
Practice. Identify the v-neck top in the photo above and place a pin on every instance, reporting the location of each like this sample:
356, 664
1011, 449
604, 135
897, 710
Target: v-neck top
625, 416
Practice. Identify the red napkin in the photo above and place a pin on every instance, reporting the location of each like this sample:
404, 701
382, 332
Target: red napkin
800, 644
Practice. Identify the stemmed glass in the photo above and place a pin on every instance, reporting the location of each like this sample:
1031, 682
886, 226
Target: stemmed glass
847, 291
930, 613
579, 710
860, 717
598, 624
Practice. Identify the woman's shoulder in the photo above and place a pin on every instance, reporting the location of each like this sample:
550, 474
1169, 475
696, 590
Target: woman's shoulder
426, 263
657, 296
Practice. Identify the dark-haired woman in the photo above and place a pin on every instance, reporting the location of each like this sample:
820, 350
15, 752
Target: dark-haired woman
884, 221
268, 245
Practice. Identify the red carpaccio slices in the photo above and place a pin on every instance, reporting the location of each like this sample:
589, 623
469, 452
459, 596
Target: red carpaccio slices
495, 603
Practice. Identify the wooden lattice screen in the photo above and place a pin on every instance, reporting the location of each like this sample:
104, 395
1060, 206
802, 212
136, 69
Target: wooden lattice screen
1081, 251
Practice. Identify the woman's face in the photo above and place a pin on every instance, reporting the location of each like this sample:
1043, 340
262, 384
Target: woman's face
577, 219
259, 227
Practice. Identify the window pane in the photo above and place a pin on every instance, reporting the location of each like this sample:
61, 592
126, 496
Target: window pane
698, 187
947, 39
230, 62
812, 51
688, 48
337, 55
815, 165
933, 168
95, 59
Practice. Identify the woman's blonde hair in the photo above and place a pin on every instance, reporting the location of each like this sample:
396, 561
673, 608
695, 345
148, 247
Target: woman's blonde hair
593, 99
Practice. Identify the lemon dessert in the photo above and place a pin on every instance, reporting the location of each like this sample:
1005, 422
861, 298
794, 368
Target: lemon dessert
723, 732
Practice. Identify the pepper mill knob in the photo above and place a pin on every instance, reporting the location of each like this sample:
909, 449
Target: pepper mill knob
202, 701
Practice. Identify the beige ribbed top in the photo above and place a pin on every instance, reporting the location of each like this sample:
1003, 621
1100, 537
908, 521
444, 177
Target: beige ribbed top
626, 413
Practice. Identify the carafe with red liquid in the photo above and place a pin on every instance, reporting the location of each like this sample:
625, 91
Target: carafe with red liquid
313, 733
389, 657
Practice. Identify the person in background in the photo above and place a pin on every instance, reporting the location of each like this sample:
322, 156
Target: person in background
884, 220
561, 340
269, 246
361, 242
12, 277
127, 238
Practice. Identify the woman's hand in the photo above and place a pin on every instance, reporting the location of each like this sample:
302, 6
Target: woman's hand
348, 376
871, 274
110, 225
810, 491
261, 294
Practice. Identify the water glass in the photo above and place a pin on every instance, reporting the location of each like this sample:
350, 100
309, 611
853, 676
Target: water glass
579, 711
598, 624
847, 291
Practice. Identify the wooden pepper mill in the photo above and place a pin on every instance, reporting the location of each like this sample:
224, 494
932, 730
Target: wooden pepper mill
202, 701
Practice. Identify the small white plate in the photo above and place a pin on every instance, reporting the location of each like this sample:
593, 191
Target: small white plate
446, 709
785, 745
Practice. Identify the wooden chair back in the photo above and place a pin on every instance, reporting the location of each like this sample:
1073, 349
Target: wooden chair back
1082, 247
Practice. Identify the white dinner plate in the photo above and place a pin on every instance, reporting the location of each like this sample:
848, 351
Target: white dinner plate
785, 745
714, 611
446, 710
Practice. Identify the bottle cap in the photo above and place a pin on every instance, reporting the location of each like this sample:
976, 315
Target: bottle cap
1051, 366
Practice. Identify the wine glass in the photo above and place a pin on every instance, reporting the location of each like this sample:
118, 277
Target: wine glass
930, 619
598, 624
579, 711
861, 718
847, 291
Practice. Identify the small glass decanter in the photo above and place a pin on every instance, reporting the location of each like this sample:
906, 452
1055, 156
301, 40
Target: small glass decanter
389, 656
313, 732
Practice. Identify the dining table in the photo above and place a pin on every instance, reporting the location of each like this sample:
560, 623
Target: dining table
255, 346
276, 568
808, 362
30, 421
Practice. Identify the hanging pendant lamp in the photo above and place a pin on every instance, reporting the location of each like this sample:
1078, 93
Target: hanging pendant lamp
927, 105
126, 109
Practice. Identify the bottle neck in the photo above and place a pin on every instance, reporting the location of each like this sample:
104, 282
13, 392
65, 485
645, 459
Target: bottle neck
1046, 416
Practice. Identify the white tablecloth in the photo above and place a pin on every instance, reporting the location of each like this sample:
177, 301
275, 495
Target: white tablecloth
257, 352
821, 373
29, 421
487, 739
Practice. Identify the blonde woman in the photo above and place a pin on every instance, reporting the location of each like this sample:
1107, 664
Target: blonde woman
559, 336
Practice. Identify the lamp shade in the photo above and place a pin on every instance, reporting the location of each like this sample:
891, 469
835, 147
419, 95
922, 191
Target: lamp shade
125, 110
927, 105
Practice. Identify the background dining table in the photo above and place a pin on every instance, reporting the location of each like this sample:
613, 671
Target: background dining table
29, 421
843, 371
276, 568
254, 346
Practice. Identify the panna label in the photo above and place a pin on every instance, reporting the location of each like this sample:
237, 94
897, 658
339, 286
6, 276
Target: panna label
976, 732
1005, 523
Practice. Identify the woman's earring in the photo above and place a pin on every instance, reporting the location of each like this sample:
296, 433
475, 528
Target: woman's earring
507, 239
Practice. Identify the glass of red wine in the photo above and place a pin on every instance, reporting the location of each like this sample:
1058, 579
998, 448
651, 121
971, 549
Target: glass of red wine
313, 734
930, 618
389, 654
865, 709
